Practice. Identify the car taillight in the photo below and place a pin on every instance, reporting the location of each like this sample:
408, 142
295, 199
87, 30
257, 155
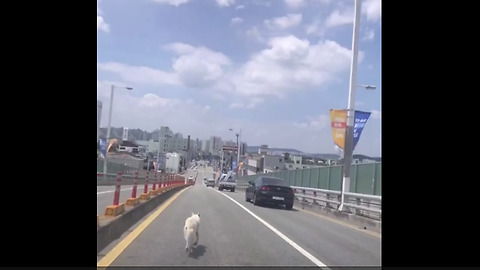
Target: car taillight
264, 188
292, 191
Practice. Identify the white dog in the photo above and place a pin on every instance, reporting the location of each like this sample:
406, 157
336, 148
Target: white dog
190, 231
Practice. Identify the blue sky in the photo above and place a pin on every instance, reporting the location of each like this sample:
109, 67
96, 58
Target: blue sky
273, 68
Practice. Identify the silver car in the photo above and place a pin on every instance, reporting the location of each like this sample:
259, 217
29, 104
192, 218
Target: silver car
211, 183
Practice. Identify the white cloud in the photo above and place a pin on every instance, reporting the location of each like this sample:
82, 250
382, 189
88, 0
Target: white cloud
254, 102
290, 20
153, 101
240, 7
225, 3
369, 34
321, 121
139, 74
198, 67
315, 28
294, 3
372, 9
263, 3
237, 20
291, 64
287, 65
345, 15
250, 105
102, 25
255, 34
172, 2
337, 18
236, 105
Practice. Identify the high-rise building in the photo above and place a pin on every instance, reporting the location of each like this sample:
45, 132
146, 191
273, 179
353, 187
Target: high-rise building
125, 134
215, 145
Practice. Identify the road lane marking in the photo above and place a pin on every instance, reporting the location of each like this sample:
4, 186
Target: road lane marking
110, 191
284, 237
120, 247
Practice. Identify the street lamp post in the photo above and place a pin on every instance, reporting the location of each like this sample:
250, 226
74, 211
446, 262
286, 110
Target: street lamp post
239, 137
239, 134
221, 161
348, 151
110, 123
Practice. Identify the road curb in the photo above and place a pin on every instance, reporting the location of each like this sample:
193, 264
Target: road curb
116, 226
362, 222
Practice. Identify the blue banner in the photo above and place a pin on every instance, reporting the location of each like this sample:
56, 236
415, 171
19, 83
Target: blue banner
234, 166
103, 146
360, 121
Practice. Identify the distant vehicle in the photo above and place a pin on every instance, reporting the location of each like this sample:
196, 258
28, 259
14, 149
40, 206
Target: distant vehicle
210, 183
227, 182
270, 190
190, 178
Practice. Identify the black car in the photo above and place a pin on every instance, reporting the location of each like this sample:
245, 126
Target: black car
270, 190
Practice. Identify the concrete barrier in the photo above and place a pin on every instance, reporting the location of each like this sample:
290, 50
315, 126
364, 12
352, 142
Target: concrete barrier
362, 222
145, 196
115, 210
132, 201
116, 226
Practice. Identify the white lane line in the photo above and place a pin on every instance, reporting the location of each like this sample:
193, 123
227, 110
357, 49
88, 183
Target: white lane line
109, 191
284, 237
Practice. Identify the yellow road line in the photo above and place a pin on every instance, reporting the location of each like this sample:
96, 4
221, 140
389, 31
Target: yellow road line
372, 233
120, 247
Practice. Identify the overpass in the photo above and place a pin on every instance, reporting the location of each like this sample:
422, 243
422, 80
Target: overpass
234, 232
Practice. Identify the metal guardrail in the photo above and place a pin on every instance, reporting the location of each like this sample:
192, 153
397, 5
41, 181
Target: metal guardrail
155, 180
365, 178
110, 179
355, 203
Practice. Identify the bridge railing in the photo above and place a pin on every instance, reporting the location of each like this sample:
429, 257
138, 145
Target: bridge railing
356, 203
147, 183
365, 178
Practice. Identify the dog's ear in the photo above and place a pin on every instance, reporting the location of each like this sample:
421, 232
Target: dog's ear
193, 214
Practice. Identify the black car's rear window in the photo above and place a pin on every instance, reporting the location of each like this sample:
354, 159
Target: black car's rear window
274, 181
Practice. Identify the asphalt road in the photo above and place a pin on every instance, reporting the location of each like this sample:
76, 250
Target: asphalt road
232, 235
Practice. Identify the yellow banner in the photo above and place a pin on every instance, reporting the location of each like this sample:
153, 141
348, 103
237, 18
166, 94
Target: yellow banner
338, 119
